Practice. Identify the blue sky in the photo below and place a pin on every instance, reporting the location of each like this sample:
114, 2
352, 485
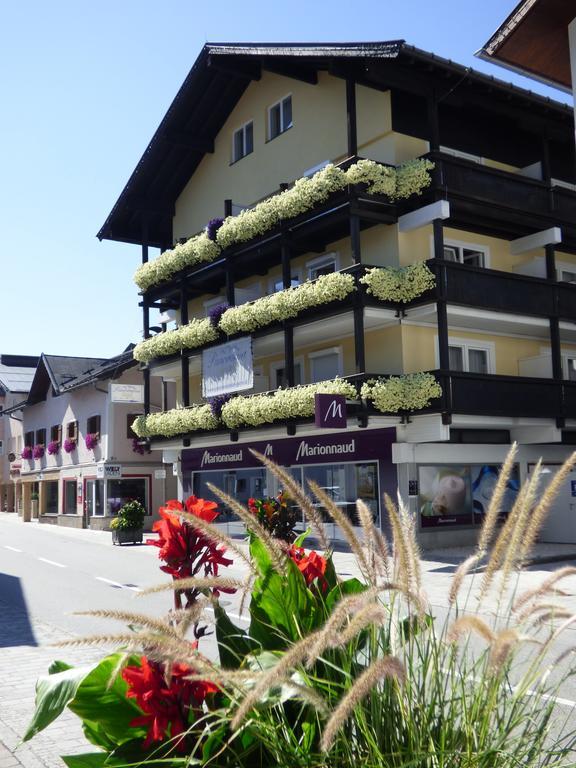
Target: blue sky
83, 86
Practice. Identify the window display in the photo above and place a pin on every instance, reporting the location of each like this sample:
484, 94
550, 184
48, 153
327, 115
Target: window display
127, 489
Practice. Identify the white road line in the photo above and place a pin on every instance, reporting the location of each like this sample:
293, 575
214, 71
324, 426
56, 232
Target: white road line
231, 615
12, 549
555, 699
52, 562
109, 581
117, 584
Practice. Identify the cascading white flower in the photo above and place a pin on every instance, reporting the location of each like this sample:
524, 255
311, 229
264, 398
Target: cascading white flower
399, 284
177, 421
409, 392
194, 334
396, 183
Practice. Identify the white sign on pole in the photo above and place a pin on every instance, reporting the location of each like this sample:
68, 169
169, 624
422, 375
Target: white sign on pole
227, 368
159, 474
127, 393
108, 471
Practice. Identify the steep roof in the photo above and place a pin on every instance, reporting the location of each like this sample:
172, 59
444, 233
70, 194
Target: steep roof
17, 372
221, 74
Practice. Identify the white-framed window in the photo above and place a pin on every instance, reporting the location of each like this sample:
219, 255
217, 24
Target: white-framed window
465, 253
567, 275
569, 366
325, 364
278, 373
279, 117
323, 265
277, 283
249, 292
470, 356
243, 141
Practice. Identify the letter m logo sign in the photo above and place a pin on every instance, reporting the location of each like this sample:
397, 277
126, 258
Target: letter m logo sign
330, 411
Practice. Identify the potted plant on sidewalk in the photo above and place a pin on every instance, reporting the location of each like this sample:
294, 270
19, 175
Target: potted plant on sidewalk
128, 526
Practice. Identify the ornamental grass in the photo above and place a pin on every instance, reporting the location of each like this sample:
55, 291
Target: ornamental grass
334, 671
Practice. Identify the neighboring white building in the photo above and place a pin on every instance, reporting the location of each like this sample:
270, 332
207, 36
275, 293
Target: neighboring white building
82, 481
16, 374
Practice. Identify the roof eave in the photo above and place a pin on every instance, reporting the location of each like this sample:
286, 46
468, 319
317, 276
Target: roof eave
485, 56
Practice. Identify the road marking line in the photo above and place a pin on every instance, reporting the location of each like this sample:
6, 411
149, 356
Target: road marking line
12, 549
231, 615
109, 581
52, 562
134, 589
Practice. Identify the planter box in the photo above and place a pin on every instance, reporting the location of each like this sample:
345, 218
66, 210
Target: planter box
128, 537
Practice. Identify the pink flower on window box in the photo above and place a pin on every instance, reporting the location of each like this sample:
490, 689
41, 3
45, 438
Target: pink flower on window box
27, 452
69, 445
53, 447
91, 440
38, 451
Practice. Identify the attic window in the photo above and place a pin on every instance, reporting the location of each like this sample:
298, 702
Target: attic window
243, 141
279, 117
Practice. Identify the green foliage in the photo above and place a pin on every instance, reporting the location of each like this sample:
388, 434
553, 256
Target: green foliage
130, 517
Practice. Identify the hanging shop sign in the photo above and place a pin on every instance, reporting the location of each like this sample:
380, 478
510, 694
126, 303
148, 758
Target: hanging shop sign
109, 471
330, 411
127, 393
227, 368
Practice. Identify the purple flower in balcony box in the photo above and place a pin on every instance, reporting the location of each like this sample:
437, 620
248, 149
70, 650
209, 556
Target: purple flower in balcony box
53, 447
212, 227
91, 440
216, 313
139, 447
26, 452
38, 451
216, 404
69, 445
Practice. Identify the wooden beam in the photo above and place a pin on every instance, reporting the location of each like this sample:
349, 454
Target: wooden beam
149, 205
352, 132
232, 65
294, 71
540, 239
189, 140
423, 216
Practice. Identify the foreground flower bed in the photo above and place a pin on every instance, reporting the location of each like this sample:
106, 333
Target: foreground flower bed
331, 671
396, 183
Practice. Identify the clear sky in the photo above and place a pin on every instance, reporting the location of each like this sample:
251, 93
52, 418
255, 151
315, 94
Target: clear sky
83, 86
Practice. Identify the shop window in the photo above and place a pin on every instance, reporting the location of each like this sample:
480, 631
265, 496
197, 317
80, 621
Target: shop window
70, 496
127, 489
56, 433
29, 439
40, 437
72, 430
462, 253
51, 495
93, 425
243, 141
279, 117
323, 265
241, 484
343, 484
325, 364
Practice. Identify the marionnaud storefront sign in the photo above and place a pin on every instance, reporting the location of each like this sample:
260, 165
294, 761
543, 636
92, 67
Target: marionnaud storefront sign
365, 445
227, 368
330, 411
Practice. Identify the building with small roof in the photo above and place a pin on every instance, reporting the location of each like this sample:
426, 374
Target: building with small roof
79, 459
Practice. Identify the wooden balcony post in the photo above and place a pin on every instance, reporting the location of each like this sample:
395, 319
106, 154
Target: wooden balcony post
433, 123
442, 316
351, 117
227, 208
185, 362
230, 290
144, 239
286, 253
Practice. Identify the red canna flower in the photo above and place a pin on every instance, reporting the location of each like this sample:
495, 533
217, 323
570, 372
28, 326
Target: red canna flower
311, 566
166, 704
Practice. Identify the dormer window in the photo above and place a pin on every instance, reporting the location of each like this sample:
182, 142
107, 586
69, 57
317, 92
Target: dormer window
279, 117
243, 141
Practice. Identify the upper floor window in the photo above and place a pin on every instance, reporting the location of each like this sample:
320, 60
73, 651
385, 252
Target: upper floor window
279, 377
40, 437
325, 364
279, 117
569, 367
471, 356
72, 430
568, 276
56, 433
278, 285
323, 265
472, 255
93, 425
29, 439
243, 141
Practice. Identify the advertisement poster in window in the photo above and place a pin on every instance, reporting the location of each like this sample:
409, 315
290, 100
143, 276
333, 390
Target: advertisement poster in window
484, 478
445, 497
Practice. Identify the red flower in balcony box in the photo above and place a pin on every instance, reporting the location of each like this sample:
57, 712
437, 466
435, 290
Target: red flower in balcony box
167, 703
311, 566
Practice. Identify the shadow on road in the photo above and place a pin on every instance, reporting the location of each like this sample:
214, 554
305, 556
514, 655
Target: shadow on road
15, 627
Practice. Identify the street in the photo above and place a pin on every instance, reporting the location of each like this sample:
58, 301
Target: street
47, 574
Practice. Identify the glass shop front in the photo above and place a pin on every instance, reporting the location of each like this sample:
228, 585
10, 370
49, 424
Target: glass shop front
347, 465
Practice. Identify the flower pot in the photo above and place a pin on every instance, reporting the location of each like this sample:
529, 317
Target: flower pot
131, 536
